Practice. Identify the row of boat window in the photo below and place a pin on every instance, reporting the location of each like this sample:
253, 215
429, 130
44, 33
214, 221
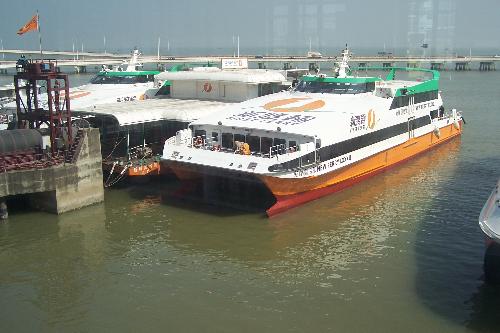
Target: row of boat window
338, 149
334, 87
404, 100
127, 79
257, 144
438, 113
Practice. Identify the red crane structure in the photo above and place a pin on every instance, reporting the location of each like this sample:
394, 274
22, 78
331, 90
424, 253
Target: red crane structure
34, 112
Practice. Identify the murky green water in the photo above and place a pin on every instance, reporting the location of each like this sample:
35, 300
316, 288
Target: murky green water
399, 252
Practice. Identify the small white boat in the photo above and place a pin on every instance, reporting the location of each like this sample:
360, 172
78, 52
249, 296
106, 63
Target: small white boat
489, 221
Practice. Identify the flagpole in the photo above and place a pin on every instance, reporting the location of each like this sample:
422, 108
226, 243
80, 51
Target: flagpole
39, 33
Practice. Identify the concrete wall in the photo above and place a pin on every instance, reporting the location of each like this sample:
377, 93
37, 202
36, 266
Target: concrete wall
64, 187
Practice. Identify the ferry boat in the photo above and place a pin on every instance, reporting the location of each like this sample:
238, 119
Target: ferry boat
124, 83
325, 134
489, 221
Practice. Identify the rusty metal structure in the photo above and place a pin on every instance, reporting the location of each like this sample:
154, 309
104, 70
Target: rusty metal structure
51, 110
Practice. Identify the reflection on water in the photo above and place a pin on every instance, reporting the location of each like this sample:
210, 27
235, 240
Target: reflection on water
402, 249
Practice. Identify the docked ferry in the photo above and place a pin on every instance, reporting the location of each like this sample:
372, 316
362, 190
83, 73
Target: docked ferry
325, 134
122, 83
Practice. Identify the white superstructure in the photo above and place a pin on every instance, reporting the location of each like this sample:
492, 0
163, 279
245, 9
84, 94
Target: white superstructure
325, 133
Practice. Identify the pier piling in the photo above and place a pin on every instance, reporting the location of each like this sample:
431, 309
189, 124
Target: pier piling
487, 66
462, 66
439, 66
4, 213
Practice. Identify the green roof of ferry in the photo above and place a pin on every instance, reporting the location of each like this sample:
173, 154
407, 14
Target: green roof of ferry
123, 73
427, 85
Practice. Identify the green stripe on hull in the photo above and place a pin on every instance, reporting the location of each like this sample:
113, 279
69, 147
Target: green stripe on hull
138, 73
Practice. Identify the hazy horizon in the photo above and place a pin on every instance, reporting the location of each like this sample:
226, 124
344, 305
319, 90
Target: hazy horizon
267, 27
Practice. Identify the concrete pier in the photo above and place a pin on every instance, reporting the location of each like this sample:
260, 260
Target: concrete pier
439, 66
462, 66
64, 187
81, 69
313, 67
487, 66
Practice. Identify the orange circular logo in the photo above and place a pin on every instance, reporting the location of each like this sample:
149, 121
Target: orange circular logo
207, 87
371, 119
277, 105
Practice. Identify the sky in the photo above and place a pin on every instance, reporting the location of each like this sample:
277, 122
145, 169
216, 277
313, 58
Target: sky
264, 26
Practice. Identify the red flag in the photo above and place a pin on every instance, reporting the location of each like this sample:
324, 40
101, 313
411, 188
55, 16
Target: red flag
30, 26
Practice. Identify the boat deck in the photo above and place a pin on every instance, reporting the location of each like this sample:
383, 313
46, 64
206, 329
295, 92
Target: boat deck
137, 112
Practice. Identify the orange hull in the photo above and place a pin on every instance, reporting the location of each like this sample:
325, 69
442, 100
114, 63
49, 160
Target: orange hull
293, 192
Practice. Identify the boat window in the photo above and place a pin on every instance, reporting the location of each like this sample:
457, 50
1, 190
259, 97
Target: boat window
265, 89
434, 114
201, 133
265, 144
307, 159
152, 132
280, 146
126, 79
239, 137
227, 140
400, 101
292, 146
254, 142
215, 136
335, 87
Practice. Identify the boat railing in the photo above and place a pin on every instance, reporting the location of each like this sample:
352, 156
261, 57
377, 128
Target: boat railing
171, 141
213, 144
281, 149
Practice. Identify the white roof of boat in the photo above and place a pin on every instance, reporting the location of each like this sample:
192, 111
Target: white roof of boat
278, 110
137, 112
254, 76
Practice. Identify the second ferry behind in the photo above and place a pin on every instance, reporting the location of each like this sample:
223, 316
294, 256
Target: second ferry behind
327, 133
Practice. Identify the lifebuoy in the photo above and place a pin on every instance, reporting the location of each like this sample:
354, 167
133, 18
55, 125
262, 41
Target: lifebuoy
198, 142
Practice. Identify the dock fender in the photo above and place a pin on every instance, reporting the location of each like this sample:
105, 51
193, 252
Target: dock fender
437, 132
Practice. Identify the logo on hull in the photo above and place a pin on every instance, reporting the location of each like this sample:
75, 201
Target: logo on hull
207, 87
278, 106
371, 119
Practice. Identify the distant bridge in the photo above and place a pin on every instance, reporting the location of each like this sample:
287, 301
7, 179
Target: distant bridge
80, 61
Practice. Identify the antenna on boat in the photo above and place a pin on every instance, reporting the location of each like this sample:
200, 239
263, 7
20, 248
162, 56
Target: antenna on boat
134, 61
343, 64
158, 56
